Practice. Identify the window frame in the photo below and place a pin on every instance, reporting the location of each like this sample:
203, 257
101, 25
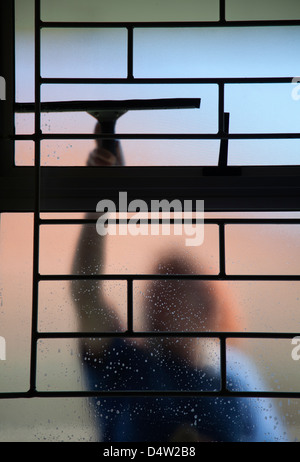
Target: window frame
67, 189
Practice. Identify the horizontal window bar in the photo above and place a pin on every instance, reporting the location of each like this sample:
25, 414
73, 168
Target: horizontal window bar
165, 80
145, 136
231, 277
220, 335
189, 24
231, 221
148, 393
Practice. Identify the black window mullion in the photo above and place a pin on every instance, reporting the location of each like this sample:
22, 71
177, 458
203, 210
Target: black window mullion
36, 224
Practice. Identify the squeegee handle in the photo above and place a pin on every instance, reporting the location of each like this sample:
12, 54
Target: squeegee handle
108, 126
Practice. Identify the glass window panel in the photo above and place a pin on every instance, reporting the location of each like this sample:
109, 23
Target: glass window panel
257, 10
262, 306
24, 123
136, 152
198, 120
201, 416
47, 420
126, 366
57, 312
132, 10
262, 249
241, 306
24, 153
84, 53
68, 419
267, 365
65, 152
181, 305
263, 152
272, 358
24, 50
127, 254
171, 152
216, 52
15, 300
266, 108
264, 314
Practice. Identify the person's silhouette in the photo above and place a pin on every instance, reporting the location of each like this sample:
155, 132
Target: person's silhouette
166, 363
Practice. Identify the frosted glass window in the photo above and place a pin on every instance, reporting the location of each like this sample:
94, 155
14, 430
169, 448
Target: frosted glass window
273, 358
128, 254
131, 10
16, 233
24, 50
216, 52
163, 303
84, 53
262, 249
118, 364
24, 153
264, 152
136, 152
56, 303
266, 10
266, 108
47, 419
65, 152
241, 306
24, 123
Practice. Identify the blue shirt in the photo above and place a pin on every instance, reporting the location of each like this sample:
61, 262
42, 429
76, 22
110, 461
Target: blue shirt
125, 366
